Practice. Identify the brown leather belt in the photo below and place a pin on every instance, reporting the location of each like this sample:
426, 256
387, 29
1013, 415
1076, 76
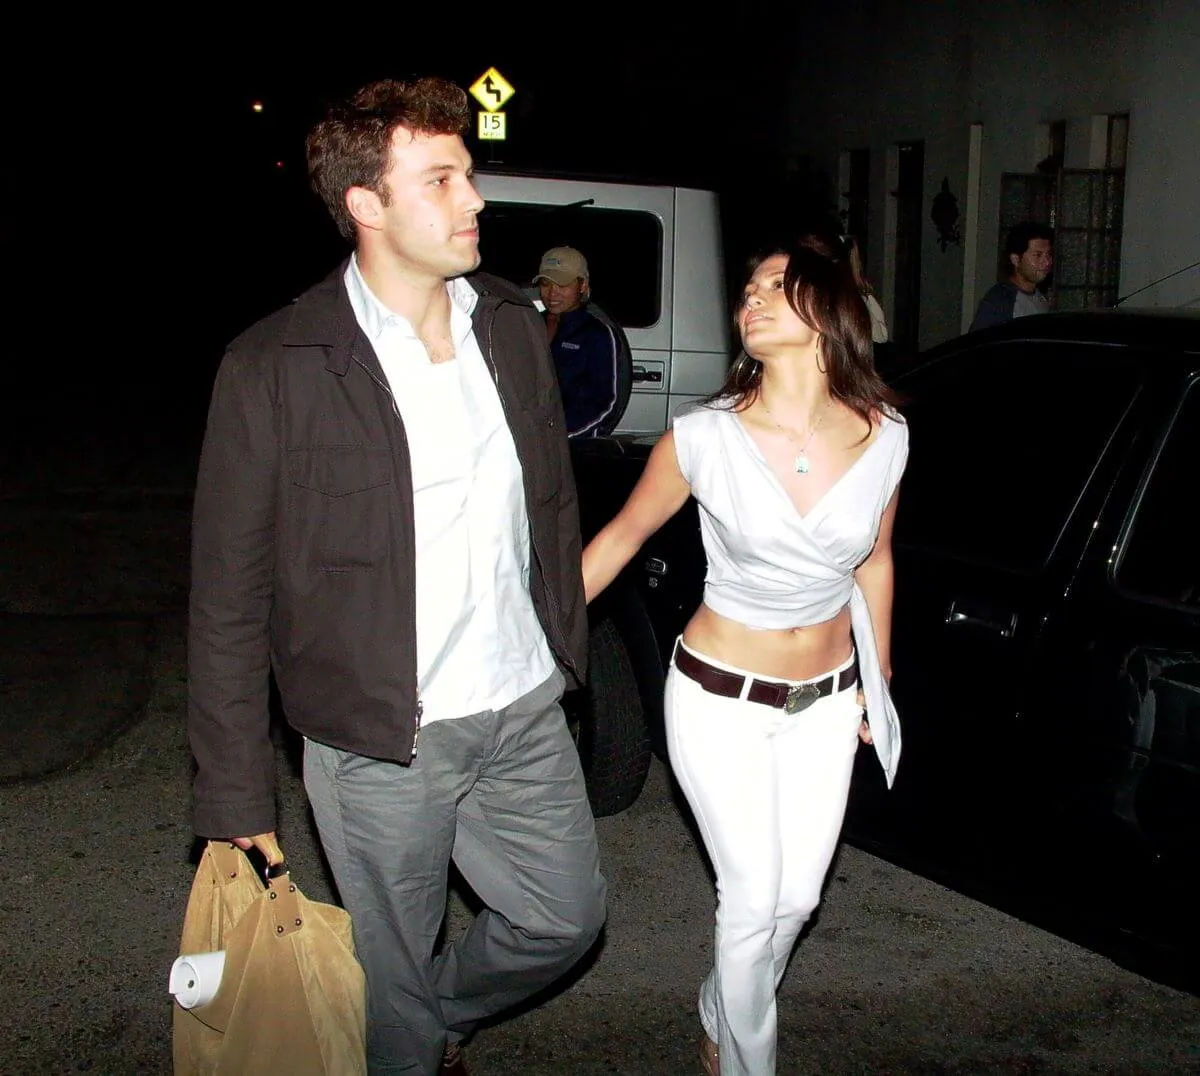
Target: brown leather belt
792, 698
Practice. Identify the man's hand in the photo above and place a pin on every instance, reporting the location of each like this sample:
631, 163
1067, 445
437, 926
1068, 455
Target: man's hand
265, 843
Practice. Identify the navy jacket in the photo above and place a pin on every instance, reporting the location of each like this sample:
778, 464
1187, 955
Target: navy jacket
586, 356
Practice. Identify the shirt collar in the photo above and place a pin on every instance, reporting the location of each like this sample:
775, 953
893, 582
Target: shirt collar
572, 316
373, 317
463, 298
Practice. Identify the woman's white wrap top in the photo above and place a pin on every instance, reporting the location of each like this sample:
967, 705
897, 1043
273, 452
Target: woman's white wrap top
770, 567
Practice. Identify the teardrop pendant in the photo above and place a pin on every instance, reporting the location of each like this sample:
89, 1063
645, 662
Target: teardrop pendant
802, 464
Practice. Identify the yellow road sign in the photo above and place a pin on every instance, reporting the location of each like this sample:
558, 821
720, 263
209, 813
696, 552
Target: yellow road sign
492, 126
491, 90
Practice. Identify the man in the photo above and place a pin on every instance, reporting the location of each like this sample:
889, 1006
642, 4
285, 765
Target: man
1029, 251
586, 352
385, 517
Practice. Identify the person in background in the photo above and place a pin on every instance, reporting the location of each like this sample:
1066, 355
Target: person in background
586, 352
879, 329
1029, 251
794, 465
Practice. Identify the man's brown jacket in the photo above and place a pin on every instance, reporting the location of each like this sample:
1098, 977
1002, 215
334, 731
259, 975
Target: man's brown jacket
303, 551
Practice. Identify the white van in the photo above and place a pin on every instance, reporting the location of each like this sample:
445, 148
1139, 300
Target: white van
654, 255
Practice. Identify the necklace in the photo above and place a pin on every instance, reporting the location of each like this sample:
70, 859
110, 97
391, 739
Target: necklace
801, 462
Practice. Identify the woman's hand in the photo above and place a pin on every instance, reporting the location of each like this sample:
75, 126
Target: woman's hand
864, 728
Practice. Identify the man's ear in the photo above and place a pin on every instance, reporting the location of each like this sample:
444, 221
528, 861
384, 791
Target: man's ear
1014, 260
365, 207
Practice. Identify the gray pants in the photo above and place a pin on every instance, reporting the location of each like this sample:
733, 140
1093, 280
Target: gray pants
502, 793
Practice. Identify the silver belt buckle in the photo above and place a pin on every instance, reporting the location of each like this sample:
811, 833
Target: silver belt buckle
800, 697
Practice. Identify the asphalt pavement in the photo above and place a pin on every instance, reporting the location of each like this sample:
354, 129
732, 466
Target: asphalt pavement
897, 975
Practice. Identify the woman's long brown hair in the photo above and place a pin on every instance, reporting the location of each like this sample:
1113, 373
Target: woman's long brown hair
821, 289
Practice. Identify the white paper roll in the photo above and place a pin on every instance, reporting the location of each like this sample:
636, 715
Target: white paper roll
196, 978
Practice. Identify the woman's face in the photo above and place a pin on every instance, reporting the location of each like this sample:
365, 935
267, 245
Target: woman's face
765, 319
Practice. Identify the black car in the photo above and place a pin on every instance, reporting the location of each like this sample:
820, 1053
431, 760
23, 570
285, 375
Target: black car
1046, 635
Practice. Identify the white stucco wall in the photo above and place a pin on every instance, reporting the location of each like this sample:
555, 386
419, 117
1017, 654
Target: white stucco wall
928, 71
1162, 197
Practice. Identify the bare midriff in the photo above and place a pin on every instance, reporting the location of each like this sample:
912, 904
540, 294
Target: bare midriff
785, 654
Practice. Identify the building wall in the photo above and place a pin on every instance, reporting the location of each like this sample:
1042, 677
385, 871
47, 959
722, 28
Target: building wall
1162, 198
931, 76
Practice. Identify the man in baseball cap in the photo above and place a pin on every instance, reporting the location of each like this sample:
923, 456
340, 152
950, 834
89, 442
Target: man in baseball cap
586, 352
562, 265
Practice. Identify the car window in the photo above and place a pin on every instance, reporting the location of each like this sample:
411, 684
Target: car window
1003, 438
1161, 558
623, 249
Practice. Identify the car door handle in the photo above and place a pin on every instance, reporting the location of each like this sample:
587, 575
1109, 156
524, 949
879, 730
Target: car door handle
640, 373
992, 620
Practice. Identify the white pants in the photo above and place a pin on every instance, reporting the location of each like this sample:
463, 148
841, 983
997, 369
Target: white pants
768, 790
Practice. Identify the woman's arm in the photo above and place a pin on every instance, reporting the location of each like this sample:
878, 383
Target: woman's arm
875, 579
658, 495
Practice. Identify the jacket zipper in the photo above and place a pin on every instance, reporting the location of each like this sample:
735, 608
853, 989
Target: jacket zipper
557, 614
396, 411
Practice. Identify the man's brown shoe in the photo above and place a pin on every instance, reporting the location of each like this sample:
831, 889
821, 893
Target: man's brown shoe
452, 1061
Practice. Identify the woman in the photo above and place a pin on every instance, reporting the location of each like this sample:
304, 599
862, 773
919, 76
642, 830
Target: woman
794, 465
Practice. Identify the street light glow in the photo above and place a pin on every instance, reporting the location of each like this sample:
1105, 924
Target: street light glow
257, 106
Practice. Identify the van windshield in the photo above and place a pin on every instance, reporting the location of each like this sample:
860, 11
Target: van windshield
623, 249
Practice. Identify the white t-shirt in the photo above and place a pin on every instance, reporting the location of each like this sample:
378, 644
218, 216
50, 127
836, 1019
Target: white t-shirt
1029, 302
480, 644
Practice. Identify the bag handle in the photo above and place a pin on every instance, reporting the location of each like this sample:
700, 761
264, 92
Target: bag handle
282, 894
283, 899
268, 847
229, 860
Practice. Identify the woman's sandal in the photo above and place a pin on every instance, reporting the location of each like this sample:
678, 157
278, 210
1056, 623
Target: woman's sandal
710, 1056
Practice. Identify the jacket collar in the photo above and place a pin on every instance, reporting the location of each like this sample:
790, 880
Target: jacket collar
571, 318
323, 316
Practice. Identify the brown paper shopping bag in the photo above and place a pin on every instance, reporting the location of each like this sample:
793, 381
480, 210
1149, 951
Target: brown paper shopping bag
292, 996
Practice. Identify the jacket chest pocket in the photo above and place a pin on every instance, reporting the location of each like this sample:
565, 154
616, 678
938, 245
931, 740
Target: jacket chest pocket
343, 500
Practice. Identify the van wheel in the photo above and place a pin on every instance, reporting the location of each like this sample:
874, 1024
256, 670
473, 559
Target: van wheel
608, 724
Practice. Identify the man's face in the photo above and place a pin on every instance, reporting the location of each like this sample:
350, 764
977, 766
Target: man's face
1032, 267
429, 222
562, 298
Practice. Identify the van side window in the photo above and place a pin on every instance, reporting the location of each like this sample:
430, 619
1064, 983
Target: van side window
623, 250
1160, 559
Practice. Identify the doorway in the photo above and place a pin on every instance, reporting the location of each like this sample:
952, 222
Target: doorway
909, 195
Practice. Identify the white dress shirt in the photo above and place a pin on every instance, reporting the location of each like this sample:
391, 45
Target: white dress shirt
480, 644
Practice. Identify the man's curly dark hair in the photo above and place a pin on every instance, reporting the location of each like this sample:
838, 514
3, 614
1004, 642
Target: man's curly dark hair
351, 146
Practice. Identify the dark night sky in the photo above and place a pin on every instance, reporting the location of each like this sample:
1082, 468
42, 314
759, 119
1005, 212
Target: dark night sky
162, 224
